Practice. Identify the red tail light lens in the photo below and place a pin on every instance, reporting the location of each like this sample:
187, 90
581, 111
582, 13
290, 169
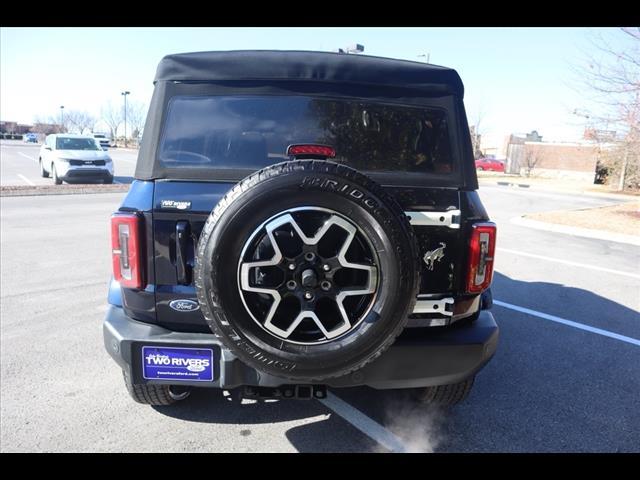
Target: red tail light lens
481, 250
320, 150
125, 249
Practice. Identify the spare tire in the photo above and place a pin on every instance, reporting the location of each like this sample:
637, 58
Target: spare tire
307, 270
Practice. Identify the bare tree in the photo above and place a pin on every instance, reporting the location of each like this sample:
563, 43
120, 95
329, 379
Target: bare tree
611, 75
113, 117
80, 120
531, 159
136, 115
476, 133
47, 126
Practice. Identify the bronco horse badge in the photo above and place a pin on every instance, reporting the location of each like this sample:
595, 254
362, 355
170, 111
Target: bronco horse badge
434, 256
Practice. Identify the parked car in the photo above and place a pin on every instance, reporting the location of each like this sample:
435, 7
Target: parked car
490, 164
30, 138
330, 235
104, 140
74, 159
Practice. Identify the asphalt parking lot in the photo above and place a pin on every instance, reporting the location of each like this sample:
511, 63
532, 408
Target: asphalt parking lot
566, 377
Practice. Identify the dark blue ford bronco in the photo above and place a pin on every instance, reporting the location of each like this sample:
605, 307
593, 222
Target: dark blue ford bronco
299, 221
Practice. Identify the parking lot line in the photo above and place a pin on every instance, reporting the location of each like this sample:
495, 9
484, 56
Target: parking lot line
25, 179
27, 156
568, 262
571, 323
366, 425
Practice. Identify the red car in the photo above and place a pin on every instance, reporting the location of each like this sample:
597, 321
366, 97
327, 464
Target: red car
490, 164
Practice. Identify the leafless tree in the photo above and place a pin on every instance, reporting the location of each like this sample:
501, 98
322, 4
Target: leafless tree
531, 159
136, 115
476, 133
113, 117
47, 126
611, 75
80, 120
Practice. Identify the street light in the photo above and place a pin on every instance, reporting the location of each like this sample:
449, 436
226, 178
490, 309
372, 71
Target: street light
428, 55
61, 119
124, 94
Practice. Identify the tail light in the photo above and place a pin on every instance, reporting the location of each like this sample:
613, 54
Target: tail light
315, 150
125, 249
481, 251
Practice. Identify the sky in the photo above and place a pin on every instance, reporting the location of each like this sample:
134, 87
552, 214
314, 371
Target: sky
516, 79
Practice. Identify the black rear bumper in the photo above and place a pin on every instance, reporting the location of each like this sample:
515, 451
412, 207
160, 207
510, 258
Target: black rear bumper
416, 359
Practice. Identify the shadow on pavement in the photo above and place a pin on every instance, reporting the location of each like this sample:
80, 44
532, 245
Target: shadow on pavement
549, 388
327, 434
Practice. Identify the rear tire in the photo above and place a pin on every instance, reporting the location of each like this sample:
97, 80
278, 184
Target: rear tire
43, 172
157, 395
445, 395
56, 180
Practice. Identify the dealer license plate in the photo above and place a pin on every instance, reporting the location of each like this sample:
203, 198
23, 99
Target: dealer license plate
173, 363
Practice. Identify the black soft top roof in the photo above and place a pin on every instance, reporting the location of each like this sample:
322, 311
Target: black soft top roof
274, 65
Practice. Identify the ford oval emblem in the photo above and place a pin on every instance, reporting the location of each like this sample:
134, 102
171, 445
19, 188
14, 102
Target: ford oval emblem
184, 305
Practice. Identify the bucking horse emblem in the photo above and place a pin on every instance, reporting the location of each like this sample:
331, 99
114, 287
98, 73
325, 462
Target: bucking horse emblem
434, 256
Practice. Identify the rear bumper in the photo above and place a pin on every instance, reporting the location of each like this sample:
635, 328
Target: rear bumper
435, 357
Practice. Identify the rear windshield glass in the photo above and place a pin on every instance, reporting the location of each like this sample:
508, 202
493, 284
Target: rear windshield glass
63, 143
250, 132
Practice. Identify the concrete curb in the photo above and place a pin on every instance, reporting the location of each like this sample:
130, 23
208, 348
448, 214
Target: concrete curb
29, 190
612, 196
577, 231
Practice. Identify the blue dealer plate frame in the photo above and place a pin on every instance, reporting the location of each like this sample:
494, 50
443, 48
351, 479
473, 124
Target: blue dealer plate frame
177, 364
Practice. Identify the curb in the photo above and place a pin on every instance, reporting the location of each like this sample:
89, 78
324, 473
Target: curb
612, 196
30, 191
577, 231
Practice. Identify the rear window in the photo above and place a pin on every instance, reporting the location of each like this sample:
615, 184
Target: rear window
251, 132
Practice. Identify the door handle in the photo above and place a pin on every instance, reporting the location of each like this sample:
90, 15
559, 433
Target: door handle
183, 271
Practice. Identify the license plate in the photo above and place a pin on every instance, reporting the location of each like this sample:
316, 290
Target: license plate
173, 363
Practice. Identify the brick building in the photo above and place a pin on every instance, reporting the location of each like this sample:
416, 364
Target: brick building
574, 160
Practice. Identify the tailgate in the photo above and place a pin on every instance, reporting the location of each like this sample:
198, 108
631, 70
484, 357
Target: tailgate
180, 210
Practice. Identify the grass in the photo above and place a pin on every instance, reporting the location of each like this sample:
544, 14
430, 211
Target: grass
622, 218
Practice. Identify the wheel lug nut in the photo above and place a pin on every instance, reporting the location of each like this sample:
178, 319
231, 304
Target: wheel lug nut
325, 285
326, 267
291, 285
308, 295
292, 266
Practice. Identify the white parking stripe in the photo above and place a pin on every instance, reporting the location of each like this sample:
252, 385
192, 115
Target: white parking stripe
26, 179
27, 156
571, 323
567, 262
366, 425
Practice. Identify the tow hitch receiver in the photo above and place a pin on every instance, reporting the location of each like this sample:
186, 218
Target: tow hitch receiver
299, 392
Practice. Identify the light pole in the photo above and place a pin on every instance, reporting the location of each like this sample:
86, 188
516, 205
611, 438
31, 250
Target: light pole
61, 119
428, 55
124, 94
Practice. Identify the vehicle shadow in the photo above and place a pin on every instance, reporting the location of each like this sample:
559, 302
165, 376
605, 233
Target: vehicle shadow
321, 431
208, 405
549, 388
